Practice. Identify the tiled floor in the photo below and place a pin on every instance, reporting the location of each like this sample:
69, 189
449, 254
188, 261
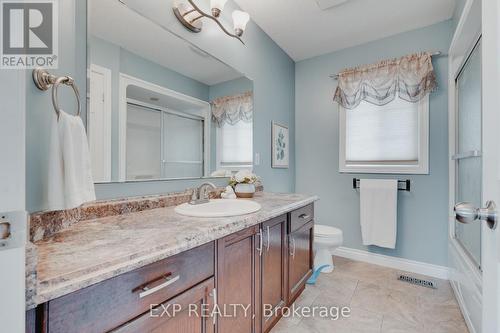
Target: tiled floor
379, 303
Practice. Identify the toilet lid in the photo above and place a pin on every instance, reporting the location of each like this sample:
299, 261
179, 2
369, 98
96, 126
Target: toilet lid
326, 231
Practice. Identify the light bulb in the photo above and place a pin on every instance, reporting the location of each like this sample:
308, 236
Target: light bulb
216, 6
240, 20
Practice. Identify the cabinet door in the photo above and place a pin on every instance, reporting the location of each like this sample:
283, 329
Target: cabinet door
274, 268
190, 312
238, 282
300, 259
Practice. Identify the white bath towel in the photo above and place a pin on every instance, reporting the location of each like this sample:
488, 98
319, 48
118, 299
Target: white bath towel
70, 182
378, 211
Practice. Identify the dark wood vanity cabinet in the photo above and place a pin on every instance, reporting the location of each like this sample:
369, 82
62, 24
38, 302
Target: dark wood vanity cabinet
249, 275
264, 267
238, 281
300, 250
274, 270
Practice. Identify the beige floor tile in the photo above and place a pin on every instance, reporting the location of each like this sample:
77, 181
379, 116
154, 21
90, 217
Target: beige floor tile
364, 272
403, 306
457, 326
439, 312
359, 321
390, 325
336, 286
378, 302
392, 304
306, 299
319, 325
339, 261
284, 326
370, 297
362, 321
308, 296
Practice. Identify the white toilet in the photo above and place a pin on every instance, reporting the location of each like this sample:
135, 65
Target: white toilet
326, 240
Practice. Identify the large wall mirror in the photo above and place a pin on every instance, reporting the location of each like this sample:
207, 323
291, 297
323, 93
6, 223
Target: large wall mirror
159, 107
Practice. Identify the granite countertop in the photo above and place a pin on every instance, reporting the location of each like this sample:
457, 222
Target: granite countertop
102, 248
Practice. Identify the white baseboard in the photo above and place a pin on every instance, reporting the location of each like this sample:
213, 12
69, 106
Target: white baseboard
436, 271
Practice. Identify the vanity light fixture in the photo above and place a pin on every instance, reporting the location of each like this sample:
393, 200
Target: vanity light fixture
190, 15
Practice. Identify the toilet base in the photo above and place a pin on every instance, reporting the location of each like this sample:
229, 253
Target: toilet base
324, 257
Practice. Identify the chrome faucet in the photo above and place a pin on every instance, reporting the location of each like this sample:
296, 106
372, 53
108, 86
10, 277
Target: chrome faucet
200, 194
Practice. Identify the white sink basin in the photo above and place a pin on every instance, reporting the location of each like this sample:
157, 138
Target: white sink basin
219, 208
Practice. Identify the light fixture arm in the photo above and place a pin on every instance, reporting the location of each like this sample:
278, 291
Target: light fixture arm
202, 13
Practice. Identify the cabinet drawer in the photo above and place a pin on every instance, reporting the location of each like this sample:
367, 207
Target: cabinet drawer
108, 304
300, 217
187, 313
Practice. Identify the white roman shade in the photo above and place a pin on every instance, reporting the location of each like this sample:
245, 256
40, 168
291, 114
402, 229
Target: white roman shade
382, 133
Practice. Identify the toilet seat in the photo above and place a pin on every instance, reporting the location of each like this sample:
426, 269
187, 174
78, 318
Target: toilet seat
325, 231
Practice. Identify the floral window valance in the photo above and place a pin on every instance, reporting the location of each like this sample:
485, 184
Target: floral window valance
410, 77
232, 109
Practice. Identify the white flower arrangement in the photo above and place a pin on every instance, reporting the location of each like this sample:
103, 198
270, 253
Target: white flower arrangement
243, 177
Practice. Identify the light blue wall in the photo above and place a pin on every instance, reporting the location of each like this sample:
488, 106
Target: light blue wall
270, 68
422, 213
228, 88
39, 109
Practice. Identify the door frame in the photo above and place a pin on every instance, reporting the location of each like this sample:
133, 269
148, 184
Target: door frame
107, 96
13, 198
490, 242
465, 276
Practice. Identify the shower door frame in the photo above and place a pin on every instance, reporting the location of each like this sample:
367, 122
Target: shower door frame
465, 274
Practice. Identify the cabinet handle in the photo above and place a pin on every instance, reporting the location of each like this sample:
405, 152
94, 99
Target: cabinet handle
304, 216
292, 246
260, 242
268, 239
214, 297
168, 281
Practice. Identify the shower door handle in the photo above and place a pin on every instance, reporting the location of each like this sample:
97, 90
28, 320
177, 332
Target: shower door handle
465, 212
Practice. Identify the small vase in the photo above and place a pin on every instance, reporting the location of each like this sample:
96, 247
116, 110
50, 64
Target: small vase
244, 190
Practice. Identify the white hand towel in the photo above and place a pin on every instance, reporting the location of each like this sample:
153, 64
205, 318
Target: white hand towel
70, 182
378, 211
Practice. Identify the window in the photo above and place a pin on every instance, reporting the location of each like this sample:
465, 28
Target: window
234, 146
392, 138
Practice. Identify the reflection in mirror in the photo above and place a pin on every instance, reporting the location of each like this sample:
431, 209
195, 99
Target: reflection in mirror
161, 108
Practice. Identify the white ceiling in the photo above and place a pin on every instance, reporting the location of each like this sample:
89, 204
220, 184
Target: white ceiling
304, 30
112, 21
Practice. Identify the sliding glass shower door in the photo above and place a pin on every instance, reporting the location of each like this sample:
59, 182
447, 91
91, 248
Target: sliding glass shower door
468, 150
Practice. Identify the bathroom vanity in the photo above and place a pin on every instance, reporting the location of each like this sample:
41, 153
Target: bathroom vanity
131, 272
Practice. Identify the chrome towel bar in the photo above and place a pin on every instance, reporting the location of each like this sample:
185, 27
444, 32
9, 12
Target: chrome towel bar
403, 185
44, 80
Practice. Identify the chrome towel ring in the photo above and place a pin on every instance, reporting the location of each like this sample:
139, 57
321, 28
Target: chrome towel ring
44, 80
